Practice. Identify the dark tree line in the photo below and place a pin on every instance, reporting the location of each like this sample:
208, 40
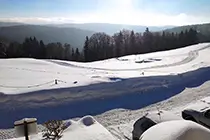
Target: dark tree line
101, 46
32, 48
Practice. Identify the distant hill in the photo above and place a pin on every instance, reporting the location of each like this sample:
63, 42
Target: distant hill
73, 36
8, 24
111, 28
202, 29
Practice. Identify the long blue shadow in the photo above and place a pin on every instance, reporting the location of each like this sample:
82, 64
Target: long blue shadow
128, 99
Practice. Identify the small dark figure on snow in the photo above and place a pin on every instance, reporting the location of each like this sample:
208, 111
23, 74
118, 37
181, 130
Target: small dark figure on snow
56, 81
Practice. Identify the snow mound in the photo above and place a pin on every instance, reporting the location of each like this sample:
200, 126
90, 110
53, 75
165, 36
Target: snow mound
87, 128
176, 130
156, 117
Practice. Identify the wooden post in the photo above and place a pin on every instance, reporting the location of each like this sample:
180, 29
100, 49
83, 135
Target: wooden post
26, 130
25, 127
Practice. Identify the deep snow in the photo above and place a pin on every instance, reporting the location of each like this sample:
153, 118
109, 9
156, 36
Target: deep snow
171, 79
177, 130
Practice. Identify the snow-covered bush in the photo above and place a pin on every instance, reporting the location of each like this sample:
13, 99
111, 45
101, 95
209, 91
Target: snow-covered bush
53, 130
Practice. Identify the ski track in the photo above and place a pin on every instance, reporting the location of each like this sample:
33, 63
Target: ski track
191, 56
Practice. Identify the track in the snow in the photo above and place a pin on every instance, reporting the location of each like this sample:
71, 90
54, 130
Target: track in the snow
191, 56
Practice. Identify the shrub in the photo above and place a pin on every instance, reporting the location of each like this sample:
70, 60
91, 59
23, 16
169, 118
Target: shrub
53, 130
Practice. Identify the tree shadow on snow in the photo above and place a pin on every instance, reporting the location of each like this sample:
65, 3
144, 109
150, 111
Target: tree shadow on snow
133, 93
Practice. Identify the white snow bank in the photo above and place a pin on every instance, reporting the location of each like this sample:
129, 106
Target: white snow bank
176, 130
86, 128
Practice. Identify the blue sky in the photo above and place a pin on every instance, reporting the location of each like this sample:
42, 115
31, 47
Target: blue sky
138, 12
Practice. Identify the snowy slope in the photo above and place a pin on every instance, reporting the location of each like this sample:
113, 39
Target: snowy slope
25, 75
145, 61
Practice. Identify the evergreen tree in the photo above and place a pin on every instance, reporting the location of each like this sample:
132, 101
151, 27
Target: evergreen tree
42, 50
77, 55
67, 50
181, 39
3, 50
72, 54
139, 46
147, 41
126, 49
86, 50
118, 37
133, 48
13, 51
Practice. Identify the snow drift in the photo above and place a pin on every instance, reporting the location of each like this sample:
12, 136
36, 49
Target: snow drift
150, 119
176, 130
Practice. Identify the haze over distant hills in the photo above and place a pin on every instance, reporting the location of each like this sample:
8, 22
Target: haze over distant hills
8, 24
18, 33
111, 28
199, 27
202, 29
73, 34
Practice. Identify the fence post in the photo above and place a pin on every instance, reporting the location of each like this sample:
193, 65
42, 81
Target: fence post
26, 127
26, 130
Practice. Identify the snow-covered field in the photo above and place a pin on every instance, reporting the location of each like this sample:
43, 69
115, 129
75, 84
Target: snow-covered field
113, 91
25, 75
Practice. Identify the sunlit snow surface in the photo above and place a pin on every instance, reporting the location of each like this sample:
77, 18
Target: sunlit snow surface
177, 130
24, 75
